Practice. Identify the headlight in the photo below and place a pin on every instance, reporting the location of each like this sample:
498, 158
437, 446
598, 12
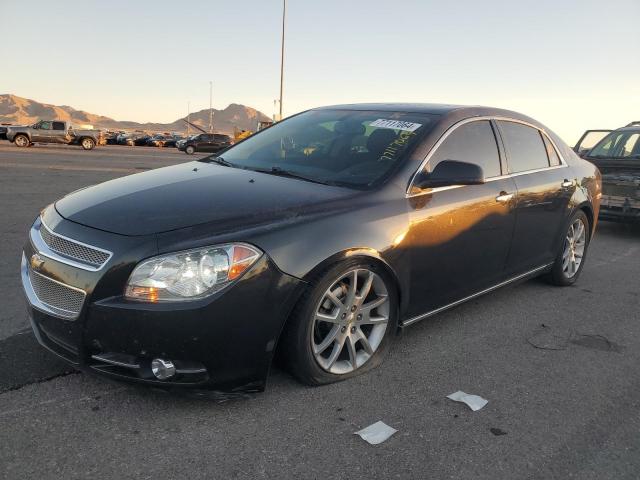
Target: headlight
190, 274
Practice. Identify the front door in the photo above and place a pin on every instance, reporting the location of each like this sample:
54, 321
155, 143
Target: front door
460, 236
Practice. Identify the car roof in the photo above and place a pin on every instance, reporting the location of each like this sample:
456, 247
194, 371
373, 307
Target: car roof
449, 113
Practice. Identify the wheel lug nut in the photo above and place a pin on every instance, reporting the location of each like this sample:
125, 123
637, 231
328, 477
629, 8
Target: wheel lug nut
353, 329
344, 315
343, 329
359, 317
353, 308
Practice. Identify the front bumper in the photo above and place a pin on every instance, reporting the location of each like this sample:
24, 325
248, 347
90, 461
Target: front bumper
619, 209
225, 342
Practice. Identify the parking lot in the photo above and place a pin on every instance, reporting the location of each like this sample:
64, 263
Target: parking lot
559, 367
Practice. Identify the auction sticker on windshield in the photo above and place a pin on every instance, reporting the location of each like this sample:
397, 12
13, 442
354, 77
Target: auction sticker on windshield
395, 125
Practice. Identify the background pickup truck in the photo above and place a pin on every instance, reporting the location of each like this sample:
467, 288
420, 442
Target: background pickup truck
46, 131
616, 153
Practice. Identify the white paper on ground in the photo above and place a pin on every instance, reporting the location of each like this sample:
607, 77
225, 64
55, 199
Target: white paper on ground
474, 402
376, 433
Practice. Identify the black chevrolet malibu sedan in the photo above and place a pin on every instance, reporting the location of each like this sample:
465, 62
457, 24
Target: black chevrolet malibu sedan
319, 237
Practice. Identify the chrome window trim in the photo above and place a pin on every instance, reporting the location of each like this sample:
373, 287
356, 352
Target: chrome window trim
43, 249
465, 121
38, 304
475, 295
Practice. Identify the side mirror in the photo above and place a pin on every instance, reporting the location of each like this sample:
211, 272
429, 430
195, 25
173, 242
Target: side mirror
451, 172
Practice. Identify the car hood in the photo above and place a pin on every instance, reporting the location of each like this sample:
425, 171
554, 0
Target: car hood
195, 193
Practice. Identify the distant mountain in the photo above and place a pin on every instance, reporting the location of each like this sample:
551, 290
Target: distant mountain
17, 110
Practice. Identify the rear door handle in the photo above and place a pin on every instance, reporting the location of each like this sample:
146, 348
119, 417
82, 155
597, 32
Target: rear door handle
504, 197
567, 183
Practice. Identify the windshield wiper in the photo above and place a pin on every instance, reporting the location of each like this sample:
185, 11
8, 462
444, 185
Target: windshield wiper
218, 160
280, 172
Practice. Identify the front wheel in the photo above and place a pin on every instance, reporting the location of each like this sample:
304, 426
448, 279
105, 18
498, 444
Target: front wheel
570, 260
343, 325
21, 141
189, 150
88, 143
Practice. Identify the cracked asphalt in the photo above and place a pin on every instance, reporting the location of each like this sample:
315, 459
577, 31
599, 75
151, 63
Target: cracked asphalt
559, 367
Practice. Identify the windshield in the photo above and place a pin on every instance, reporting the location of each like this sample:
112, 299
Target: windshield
619, 144
351, 148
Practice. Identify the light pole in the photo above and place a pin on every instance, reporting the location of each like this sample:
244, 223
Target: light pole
210, 107
188, 119
284, 12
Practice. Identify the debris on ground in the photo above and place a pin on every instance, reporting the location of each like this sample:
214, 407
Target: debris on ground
552, 338
497, 431
474, 402
547, 338
376, 433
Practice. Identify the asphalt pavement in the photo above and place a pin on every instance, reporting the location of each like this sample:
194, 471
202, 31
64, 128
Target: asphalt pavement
559, 367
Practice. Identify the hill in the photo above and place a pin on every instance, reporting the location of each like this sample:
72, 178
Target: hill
18, 110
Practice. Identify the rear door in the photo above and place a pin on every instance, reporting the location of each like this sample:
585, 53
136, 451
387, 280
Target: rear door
460, 236
58, 133
544, 186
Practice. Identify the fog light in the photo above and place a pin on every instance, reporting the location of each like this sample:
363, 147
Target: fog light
163, 369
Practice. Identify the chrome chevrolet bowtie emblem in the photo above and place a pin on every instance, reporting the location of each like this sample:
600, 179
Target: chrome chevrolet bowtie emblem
36, 261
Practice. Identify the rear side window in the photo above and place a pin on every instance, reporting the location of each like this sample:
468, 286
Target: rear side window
554, 158
525, 147
472, 142
58, 125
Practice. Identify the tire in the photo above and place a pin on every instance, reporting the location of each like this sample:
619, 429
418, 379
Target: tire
21, 141
310, 344
189, 150
87, 143
573, 253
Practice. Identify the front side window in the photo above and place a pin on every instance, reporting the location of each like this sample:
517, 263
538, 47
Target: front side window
44, 125
525, 147
345, 147
472, 142
620, 144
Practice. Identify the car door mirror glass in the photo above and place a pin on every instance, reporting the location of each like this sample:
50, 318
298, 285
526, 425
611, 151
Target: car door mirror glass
450, 172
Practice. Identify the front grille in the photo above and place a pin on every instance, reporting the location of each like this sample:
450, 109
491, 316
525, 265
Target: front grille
61, 299
74, 250
630, 191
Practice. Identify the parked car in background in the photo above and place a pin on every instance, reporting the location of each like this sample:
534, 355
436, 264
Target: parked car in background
194, 275
52, 131
206, 142
617, 155
160, 141
3, 130
111, 137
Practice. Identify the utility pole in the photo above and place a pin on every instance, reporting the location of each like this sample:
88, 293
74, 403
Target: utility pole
188, 119
210, 107
284, 12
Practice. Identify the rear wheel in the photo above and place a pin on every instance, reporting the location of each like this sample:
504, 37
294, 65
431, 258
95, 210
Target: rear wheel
343, 325
189, 150
87, 143
570, 260
21, 141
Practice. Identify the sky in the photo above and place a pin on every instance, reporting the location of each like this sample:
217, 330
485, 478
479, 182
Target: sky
571, 64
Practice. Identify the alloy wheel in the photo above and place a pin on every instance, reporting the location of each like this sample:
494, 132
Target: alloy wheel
350, 321
21, 141
574, 247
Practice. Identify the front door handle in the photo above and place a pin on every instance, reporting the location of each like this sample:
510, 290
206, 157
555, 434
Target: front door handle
504, 197
567, 183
